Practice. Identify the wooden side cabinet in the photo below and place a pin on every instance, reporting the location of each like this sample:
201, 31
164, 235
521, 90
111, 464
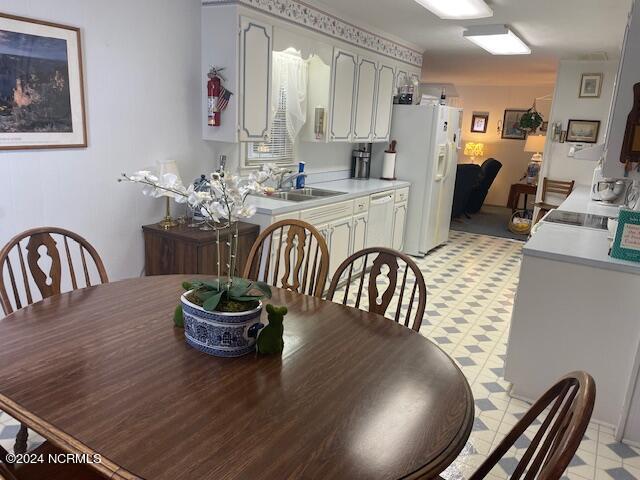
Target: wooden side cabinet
190, 250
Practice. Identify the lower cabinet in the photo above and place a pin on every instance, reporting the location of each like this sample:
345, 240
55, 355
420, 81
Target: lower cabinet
339, 243
359, 238
399, 221
346, 226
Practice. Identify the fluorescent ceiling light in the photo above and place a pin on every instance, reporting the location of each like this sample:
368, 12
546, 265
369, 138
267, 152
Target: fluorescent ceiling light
497, 40
457, 9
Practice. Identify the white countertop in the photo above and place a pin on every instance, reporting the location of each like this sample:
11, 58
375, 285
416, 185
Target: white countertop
579, 245
351, 189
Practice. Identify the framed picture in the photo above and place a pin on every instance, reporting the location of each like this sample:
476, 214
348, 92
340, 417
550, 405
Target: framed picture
479, 122
511, 125
41, 86
583, 131
591, 85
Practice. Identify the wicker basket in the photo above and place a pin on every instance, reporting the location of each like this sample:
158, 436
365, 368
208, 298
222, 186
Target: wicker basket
520, 222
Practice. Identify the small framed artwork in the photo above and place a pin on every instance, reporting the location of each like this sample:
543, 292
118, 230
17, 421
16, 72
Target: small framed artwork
583, 131
511, 125
42, 91
591, 85
544, 127
479, 122
626, 244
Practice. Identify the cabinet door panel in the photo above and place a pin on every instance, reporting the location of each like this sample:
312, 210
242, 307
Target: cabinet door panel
399, 220
339, 244
384, 103
359, 239
365, 100
343, 92
255, 79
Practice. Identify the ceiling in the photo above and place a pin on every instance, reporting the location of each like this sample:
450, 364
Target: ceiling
554, 29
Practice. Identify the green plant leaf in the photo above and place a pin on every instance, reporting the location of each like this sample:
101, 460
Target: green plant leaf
247, 299
212, 302
264, 287
178, 317
187, 286
238, 291
213, 285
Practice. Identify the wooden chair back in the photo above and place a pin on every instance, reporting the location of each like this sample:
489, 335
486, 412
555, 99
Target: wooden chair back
29, 281
290, 254
559, 187
557, 439
387, 267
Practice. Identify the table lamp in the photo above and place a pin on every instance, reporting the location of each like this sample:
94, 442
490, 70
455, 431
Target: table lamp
535, 145
168, 167
473, 150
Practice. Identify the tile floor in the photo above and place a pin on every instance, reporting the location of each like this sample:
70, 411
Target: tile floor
471, 283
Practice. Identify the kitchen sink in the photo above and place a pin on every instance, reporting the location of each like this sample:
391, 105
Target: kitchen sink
317, 192
305, 194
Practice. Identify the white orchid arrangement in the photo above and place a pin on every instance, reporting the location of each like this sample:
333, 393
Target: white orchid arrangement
221, 207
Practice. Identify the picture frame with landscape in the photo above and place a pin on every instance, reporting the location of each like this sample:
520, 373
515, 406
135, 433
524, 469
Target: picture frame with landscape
42, 90
583, 131
511, 125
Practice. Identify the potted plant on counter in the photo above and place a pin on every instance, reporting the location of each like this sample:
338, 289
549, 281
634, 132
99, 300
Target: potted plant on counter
220, 316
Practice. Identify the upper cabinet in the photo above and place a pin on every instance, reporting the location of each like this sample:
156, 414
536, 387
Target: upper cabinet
256, 39
343, 93
348, 91
365, 100
384, 103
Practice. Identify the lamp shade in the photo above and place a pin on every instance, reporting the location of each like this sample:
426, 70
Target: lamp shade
169, 175
535, 143
472, 149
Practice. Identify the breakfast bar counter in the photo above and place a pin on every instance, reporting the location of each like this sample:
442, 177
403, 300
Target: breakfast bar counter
575, 309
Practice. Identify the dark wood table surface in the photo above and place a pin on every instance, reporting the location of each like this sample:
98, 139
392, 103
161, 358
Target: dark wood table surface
354, 395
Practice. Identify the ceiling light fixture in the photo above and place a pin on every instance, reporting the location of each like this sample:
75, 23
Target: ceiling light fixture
457, 9
497, 40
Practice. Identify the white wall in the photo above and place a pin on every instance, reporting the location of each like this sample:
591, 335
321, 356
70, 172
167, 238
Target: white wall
567, 105
494, 100
142, 77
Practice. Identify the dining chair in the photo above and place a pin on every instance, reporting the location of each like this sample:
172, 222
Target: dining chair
387, 267
41, 275
46, 470
568, 406
558, 187
299, 248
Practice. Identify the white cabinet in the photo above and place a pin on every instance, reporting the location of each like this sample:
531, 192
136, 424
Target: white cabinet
399, 221
344, 75
384, 103
365, 100
256, 40
359, 238
339, 243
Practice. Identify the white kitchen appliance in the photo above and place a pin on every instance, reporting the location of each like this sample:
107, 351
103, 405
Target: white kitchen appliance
380, 211
428, 142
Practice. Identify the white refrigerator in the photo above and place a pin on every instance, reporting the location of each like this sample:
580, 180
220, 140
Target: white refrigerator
428, 143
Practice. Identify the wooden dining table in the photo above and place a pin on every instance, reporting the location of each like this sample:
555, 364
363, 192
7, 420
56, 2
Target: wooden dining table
354, 395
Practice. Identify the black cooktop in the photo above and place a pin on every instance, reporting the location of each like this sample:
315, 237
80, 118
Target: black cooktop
575, 219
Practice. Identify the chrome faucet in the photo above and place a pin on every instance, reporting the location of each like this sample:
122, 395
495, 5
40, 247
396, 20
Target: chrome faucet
284, 180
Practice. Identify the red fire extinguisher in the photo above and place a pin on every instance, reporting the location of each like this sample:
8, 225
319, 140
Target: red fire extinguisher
214, 88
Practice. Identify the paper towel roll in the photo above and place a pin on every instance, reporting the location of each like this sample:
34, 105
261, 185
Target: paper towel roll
389, 166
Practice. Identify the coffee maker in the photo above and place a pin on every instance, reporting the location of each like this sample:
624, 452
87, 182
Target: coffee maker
361, 162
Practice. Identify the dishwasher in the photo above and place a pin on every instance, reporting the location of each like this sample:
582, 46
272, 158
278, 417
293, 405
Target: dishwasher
380, 229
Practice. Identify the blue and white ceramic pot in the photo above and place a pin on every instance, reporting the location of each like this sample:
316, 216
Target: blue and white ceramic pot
219, 333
